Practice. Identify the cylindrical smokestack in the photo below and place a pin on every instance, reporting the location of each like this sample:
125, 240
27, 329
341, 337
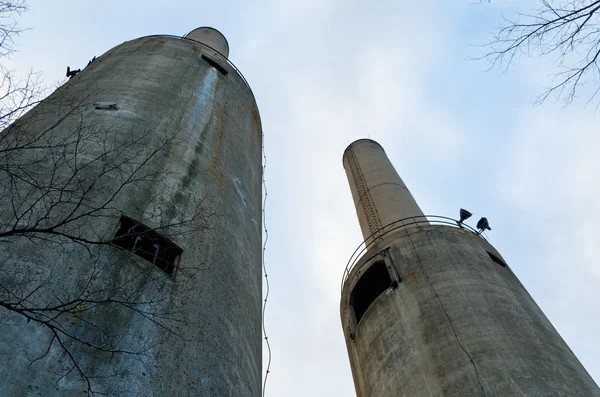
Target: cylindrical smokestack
379, 194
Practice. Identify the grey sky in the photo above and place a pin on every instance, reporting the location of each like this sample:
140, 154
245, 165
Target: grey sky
327, 72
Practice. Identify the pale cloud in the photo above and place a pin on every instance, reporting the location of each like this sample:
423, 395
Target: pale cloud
552, 183
292, 11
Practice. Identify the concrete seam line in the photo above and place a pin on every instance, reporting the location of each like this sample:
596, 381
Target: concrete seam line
437, 297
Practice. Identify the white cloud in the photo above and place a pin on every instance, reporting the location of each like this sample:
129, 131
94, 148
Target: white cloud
552, 183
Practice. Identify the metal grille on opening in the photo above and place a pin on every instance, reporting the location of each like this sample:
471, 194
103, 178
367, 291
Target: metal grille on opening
147, 244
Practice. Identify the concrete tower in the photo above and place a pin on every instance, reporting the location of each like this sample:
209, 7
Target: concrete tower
131, 248
431, 309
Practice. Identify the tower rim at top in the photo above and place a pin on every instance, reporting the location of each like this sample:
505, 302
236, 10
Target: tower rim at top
361, 140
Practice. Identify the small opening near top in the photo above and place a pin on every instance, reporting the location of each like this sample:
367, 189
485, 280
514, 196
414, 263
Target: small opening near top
215, 65
148, 244
496, 259
372, 284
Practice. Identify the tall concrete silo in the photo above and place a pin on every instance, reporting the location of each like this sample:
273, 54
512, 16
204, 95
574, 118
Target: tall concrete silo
430, 308
131, 262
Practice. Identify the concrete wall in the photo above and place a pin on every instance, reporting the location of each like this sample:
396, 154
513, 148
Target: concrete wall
209, 341
380, 196
458, 324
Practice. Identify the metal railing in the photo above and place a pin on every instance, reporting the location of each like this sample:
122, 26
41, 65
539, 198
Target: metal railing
422, 220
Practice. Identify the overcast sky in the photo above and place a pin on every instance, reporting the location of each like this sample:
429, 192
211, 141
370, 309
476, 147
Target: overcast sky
328, 72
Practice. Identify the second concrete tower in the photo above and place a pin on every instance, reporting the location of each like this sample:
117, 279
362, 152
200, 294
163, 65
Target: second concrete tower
431, 309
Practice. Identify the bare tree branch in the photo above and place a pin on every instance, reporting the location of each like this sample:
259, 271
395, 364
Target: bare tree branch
568, 32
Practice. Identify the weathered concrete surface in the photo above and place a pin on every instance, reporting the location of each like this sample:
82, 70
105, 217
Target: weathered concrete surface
458, 324
380, 196
148, 90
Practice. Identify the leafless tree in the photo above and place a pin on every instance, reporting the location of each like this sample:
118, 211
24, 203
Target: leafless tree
566, 31
58, 185
61, 182
10, 10
17, 94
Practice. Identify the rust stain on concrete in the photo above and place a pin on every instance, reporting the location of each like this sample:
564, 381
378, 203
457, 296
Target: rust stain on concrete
221, 183
158, 45
413, 276
219, 147
443, 371
256, 120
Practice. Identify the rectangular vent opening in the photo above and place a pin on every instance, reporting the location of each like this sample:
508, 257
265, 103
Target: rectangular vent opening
496, 259
215, 65
147, 244
372, 284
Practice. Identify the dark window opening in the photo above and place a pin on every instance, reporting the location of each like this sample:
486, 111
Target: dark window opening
110, 106
496, 259
147, 244
372, 284
215, 65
